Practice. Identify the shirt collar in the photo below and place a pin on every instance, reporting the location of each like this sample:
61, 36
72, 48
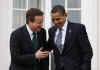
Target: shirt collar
65, 25
29, 30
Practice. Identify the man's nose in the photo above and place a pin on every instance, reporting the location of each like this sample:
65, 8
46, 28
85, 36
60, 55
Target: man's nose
55, 21
41, 24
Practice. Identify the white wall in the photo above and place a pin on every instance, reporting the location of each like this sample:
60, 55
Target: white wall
4, 35
89, 18
98, 34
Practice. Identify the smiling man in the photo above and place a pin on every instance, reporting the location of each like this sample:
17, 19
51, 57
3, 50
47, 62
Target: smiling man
27, 43
69, 41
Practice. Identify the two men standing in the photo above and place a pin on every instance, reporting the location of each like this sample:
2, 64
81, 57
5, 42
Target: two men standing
69, 41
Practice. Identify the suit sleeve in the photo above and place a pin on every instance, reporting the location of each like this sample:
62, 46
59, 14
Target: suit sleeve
16, 56
85, 48
44, 40
44, 62
50, 40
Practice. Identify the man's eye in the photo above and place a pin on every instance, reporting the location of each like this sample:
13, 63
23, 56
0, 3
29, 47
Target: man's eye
39, 22
57, 18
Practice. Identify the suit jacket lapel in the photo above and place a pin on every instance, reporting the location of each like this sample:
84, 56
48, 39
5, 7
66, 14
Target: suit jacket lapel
67, 38
27, 36
53, 36
39, 39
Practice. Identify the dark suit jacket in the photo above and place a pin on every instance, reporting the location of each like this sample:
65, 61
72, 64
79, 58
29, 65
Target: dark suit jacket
22, 51
77, 52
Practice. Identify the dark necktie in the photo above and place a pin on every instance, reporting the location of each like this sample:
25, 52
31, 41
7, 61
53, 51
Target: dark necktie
59, 41
35, 41
35, 46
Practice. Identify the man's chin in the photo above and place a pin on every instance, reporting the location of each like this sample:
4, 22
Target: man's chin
38, 30
59, 27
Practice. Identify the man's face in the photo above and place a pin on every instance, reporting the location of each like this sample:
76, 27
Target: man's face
37, 24
58, 19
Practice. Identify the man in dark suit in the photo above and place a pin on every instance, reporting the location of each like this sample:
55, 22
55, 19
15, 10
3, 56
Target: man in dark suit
27, 43
69, 41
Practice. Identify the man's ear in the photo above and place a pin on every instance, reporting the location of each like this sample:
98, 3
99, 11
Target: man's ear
65, 14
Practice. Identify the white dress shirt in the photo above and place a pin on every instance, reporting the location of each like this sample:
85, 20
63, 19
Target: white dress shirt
64, 29
29, 31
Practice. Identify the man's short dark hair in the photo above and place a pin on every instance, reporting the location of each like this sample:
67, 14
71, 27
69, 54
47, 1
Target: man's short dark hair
58, 8
31, 13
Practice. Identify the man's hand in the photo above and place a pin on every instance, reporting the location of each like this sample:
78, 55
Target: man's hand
41, 54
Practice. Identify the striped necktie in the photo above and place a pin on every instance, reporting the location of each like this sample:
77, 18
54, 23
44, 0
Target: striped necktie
59, 41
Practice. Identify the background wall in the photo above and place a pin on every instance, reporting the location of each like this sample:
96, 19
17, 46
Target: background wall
89, 18
4, 34
91, 15
98, 11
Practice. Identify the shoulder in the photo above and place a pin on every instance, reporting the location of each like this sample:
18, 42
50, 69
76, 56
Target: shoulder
76, 25
18, 31
43, 30
53, 28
